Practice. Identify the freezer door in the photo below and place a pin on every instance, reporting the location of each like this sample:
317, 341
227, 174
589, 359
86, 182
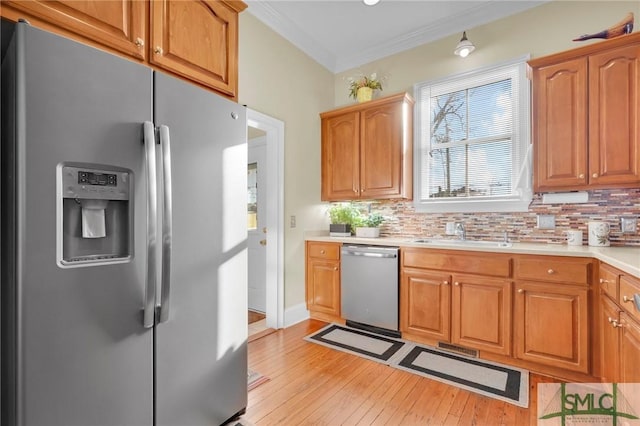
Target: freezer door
82, 355
201, 351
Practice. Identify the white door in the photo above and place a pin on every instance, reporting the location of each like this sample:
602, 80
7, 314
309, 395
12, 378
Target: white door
256, 222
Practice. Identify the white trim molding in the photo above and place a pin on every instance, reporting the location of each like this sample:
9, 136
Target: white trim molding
274, 130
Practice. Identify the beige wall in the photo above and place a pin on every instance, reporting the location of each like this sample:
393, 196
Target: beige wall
280, 81
277, 79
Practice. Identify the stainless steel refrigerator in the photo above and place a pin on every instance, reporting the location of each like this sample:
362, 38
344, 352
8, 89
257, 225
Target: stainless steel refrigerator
124, 259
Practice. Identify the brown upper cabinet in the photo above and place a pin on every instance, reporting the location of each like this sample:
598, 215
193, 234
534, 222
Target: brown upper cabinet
586, 117
197, 40
367, 150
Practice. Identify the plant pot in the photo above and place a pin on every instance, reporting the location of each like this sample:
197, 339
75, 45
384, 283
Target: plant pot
365, 232
364, 94
340, 230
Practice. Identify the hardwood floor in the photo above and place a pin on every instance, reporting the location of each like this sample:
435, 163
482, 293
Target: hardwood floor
255, 316
312, 384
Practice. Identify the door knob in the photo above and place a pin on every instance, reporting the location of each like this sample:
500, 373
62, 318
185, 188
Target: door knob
263, 242
139, 42
158, 50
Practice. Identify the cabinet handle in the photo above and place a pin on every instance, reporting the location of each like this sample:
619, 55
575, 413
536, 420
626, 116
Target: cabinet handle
550, 271
456, 283
627, 299
139, 42
602, 281
158, 50
321, 251
581, 175
335, 268
520, 290
445, 282
595, 175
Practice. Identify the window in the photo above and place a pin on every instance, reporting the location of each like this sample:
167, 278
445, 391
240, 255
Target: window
472, 141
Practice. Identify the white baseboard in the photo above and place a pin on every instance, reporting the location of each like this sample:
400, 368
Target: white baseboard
295, 314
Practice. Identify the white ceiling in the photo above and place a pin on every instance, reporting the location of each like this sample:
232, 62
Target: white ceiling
345, 34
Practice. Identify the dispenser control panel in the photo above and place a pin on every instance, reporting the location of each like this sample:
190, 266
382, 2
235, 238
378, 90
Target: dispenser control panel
96, 184
93, 178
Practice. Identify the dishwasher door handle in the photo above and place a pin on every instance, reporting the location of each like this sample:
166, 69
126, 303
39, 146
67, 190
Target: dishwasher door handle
369, 254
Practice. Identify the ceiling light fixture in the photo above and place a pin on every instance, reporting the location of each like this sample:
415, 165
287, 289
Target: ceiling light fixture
371, 2
464, 47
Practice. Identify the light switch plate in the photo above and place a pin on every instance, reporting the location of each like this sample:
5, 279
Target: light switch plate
628, 225
546, 221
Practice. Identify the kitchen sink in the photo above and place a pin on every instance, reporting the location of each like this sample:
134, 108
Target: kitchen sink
461, 243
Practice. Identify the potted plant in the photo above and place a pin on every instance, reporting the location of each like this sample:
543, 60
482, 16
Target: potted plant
342, 216
362, 88
369, 226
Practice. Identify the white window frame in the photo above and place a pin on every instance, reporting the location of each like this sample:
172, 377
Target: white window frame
522, 194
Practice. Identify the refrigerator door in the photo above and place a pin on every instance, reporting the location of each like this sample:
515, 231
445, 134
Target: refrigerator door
82, 354
201, 350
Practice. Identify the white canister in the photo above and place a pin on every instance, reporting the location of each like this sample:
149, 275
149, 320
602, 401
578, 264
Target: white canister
599, 234
574, 238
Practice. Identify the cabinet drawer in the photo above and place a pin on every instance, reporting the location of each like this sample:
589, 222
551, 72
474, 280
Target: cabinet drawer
323, 250
609, 281
553, 269
628, 288
470, 263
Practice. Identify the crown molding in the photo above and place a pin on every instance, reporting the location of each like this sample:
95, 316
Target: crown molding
483, 13
291, 32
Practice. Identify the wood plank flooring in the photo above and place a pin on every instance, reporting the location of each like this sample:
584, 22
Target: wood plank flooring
312, 384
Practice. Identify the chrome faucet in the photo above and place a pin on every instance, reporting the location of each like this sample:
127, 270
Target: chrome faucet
460, 231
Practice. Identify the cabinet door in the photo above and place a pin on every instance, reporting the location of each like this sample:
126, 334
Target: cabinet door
551, 325
197, 39
323, 286
481, 313
629, 350
341, 157
560, 125
425, 300
120, 25
609, 340
614, 117
381, 151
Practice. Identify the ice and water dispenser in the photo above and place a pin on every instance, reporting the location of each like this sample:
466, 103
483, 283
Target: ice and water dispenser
95, 217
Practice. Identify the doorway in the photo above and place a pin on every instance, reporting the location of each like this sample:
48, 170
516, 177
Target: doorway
266, 239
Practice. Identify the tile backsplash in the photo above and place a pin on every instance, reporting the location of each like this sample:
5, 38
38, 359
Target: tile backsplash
603, 205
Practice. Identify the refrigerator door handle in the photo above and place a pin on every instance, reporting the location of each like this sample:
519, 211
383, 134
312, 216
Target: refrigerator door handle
150, 285
167, 230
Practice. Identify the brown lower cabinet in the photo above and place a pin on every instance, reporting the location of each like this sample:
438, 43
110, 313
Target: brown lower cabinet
619, 327
481, 313
425, 304
323, 280
551, 325
440, 303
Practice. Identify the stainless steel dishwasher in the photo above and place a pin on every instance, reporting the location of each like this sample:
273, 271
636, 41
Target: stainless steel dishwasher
369, 290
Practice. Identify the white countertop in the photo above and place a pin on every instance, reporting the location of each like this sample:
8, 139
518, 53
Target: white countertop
626, 259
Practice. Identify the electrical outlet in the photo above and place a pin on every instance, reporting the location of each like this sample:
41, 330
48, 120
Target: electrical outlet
450, 228
293, 222
546, 221
628, 225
